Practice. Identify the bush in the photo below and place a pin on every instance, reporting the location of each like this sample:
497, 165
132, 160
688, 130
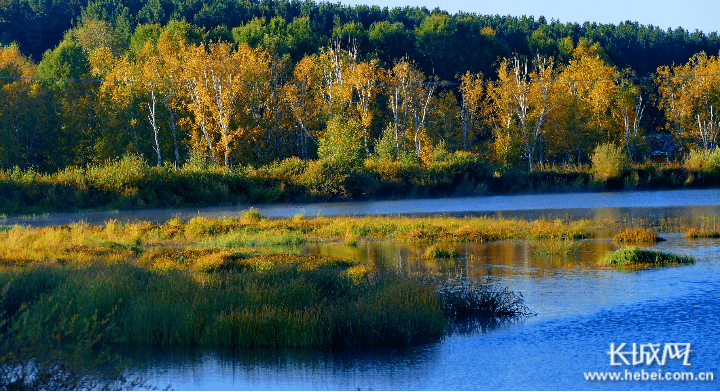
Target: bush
704, 161
342, 143
386, 148
609, 162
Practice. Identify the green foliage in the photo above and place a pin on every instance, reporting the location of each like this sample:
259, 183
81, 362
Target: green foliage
609, 162
67, 61
632, 256
342, 143
386, 148
144, 33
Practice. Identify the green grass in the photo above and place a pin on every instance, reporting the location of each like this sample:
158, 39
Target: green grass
215, 297
437, 251
632, 256
557, 247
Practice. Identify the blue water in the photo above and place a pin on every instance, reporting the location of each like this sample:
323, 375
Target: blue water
581, 310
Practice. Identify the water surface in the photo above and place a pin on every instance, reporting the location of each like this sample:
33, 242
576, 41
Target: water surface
658, 204
581, 310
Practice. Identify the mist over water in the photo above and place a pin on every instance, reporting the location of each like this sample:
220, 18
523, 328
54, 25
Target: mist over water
606, 205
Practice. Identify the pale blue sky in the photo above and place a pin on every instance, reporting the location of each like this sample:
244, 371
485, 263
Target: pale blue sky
702, 15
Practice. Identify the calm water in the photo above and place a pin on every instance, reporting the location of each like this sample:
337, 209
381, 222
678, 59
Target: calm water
612, 205
581, 310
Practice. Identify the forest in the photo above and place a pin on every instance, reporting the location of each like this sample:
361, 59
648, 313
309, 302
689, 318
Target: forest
244, 85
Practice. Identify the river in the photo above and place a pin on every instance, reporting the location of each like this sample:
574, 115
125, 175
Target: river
658, 204
581, 310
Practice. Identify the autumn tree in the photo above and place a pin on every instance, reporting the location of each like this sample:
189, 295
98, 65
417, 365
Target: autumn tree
365, 78
410, 95
690, 97
629, 108
586, 91
23, 119
300, 96
226, 88
521, 100
472, 90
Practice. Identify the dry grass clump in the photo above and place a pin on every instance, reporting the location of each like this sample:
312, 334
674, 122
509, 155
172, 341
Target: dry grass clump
702, 233
637, 235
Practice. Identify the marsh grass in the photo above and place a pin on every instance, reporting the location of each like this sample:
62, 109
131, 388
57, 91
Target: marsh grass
216, 297
702, 233
438, 251
637, 235
634, 257
557, 247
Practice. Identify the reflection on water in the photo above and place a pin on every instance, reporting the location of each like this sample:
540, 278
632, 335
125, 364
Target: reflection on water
581, 310
477, 260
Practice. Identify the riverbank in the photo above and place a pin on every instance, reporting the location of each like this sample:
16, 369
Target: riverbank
70, 294
132, 184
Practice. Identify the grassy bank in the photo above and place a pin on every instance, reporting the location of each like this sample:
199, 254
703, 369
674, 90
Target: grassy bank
131, 183
117, 241
70, 294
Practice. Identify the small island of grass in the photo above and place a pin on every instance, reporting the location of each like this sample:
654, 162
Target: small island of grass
634, 257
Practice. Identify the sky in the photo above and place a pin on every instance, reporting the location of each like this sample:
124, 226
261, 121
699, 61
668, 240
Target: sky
703, 15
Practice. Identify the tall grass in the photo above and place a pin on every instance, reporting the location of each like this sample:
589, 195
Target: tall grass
704, 161
702, 233
637, 235
218, 298
557, 247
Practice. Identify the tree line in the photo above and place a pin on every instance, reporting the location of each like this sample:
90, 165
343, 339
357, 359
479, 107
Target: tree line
376, 83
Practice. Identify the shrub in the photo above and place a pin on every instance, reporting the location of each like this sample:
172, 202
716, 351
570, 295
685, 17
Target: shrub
609, 162
386, 147
342, 143
703, 160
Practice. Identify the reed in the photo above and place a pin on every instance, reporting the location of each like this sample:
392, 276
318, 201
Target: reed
557, 247
437, 251
702, 233
637, 235
215, 297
